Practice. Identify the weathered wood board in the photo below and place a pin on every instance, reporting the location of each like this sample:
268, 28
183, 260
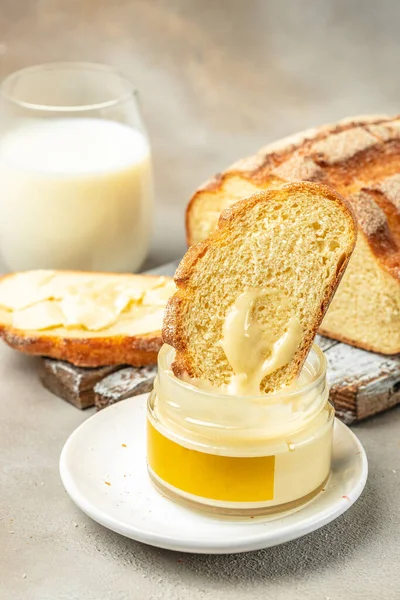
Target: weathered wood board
130, 381
74, 384
361, 383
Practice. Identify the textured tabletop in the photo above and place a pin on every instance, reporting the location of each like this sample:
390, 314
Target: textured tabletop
50, 550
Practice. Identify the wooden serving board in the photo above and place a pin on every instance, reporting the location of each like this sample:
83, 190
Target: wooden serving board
361, 383
74, 384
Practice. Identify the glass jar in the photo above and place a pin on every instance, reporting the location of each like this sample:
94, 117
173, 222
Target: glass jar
76, 189
240, 455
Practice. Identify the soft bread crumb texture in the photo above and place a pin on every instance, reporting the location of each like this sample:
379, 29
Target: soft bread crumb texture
296, 240
204, 215
364, 288
359, 157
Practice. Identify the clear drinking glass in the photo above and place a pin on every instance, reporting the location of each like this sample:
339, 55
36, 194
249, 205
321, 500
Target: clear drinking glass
76, 188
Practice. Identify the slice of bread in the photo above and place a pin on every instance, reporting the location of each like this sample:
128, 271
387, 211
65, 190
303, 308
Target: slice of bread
87, 319
360, 159
295, 241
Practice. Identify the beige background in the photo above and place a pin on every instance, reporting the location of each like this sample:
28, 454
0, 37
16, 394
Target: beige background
218, 78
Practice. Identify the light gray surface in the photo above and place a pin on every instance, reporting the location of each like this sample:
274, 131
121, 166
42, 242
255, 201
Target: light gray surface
50, 550
218, 78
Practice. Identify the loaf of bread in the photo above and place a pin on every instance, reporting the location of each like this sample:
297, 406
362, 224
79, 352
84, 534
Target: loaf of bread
286, 250
359, 158
87, 319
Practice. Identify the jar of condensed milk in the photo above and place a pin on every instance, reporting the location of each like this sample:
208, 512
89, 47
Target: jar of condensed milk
240, 455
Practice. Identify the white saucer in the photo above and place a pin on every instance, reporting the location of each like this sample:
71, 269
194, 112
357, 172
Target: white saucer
109, 482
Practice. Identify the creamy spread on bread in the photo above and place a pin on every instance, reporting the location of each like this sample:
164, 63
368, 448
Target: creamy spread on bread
252, 351
40, 300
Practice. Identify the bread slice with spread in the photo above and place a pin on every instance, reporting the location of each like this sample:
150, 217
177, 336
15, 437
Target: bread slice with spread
87, 319
360, 159
253, 294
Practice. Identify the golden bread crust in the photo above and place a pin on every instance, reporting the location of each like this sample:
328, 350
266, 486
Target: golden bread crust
358, 157
88, 352
351, 342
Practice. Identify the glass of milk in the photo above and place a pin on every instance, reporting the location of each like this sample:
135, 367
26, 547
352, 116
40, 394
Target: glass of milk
76, 189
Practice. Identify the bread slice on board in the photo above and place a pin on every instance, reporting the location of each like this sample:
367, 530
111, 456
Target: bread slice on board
87, 319
294, 242
359, 158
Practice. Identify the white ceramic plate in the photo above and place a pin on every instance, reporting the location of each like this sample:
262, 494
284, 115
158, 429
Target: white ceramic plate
103, 469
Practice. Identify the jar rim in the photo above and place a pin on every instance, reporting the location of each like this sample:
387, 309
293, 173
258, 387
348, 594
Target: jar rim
9, 80
165, 358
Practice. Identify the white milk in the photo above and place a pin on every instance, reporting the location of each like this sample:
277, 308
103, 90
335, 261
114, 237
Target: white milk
75, 193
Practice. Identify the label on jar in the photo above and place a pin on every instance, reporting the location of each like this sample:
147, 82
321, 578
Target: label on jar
225, 478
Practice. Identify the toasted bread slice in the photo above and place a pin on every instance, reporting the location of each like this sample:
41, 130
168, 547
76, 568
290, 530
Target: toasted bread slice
360, 159
87, 319
295, 241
